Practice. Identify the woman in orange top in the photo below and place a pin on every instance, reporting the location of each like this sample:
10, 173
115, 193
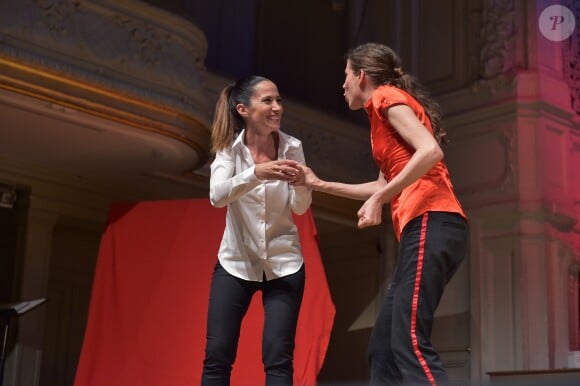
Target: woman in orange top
427, 217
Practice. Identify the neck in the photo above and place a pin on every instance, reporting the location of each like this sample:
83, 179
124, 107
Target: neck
262, 146
367, 92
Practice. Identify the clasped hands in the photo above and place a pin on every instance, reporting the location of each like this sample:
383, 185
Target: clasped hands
294, 173
282, 169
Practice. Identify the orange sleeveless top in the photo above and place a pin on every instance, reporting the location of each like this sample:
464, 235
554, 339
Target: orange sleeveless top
433, 191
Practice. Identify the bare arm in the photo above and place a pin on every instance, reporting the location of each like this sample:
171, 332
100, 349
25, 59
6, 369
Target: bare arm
353, 191
427, 154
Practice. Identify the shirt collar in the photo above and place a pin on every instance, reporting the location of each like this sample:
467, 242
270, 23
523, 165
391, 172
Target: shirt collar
239, 139
286, 142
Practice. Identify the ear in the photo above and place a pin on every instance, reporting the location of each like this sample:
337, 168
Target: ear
242, 110
362, 78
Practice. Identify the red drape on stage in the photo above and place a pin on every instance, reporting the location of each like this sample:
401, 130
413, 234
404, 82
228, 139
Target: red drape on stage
147, 316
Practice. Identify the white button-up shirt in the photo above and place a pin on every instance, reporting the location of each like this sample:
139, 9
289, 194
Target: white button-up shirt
260, 236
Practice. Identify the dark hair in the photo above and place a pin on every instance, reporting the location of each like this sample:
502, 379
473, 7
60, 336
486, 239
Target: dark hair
227, 121
383, 66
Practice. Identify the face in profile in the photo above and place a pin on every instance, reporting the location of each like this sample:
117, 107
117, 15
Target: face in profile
351, 87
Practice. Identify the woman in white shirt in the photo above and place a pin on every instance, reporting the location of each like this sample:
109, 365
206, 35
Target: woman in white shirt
256, 174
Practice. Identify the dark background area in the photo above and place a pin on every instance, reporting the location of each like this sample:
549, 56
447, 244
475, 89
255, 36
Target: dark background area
300, 45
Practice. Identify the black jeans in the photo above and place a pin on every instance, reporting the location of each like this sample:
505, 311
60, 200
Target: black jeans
431, 249
228, 302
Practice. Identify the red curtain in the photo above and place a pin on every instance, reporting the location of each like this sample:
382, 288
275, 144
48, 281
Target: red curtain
146, 322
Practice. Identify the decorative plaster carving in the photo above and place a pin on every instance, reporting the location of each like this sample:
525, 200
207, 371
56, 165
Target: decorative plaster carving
497, 55
123, 60
120, 46
571, 54
57, 13
149, 38
175, 60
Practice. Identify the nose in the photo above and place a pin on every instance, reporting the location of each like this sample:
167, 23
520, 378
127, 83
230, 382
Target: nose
276, 105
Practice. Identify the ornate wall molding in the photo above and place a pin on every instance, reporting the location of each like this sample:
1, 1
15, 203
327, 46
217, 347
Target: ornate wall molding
497, 61
124, 60
57, 13
483, 154
571, 62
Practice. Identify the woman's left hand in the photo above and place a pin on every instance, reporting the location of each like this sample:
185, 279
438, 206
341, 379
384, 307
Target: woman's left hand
371, 213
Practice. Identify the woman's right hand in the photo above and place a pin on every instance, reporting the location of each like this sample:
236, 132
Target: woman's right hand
282, 169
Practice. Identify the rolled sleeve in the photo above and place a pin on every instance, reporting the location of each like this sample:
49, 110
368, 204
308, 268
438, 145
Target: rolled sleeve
300, 199
300, 196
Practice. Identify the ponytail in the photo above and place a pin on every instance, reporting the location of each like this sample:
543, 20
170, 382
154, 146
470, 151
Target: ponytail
227, 121
224, 122
411, 85
383, 66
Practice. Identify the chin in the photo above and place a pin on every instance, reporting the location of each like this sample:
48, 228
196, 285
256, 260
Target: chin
352, 106
356, 105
